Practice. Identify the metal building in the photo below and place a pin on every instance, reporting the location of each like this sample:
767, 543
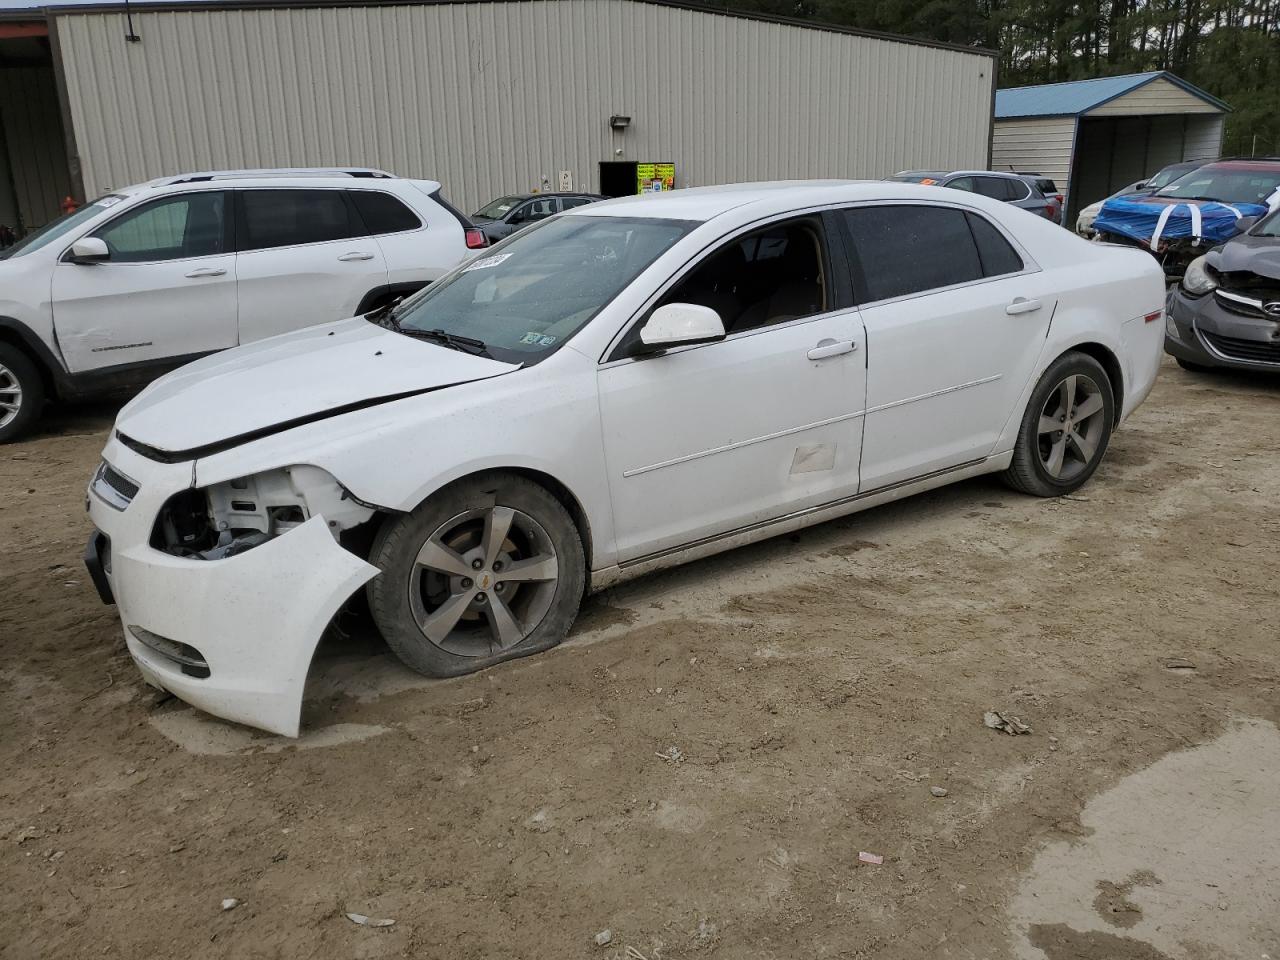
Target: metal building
1093, 137
495, 97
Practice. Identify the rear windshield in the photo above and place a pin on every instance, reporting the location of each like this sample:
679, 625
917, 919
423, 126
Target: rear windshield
1252, 184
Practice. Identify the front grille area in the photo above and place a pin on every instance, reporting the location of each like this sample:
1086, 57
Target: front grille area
1249, 351
186, 657
1245, 293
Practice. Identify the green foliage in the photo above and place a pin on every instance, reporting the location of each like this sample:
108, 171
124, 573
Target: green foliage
1231, 48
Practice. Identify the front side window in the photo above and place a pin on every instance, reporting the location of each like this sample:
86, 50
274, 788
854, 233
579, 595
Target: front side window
383, 213
173, 228
906, 249
963, 183
534, 210
769, 276
523, 303
287, 218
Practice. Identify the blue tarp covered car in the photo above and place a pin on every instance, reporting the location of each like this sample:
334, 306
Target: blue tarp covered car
1199, 210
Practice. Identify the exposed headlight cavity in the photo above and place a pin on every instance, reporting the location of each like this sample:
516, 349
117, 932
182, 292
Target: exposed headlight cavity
1198, 280
228, 518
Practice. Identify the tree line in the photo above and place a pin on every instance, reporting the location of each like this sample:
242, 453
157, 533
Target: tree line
1230, 48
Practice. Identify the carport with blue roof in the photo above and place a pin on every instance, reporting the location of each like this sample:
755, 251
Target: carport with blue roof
1093, 137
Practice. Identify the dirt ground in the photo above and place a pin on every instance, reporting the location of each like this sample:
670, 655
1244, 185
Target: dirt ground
815, 688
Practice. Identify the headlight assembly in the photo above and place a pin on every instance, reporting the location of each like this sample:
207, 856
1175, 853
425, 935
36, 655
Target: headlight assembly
228, 518
1199, 280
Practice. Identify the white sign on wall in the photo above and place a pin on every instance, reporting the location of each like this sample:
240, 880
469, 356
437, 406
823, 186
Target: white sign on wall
566, 180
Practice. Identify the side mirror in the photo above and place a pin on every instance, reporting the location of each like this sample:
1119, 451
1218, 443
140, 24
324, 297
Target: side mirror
678, 324
1140, 186
89, 250
1244, 223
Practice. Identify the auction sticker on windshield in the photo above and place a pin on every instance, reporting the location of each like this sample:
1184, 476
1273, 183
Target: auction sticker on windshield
493, 261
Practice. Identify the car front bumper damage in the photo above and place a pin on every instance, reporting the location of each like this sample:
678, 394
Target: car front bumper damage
233, 637
1201, 330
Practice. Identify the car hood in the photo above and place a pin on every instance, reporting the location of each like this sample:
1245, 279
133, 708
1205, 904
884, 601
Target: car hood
247, 392
1260, 255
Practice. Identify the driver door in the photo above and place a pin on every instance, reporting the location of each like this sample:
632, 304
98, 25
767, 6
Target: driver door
167, 290
708, 438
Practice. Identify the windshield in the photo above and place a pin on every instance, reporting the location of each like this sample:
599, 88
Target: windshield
1253, 184
918, 177
1268, 227
56, 228
523, 301
1166, 176
497, 209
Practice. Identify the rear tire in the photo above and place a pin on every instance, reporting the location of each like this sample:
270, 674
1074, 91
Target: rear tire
21, 393
488, 569
1065, 430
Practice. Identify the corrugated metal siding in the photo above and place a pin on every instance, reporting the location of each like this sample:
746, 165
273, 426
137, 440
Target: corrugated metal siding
1042, 146
1204, 137
34, 141
1158, 96
495, 97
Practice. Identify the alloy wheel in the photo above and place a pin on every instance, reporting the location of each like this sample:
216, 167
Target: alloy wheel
483, 581
10, 396
1072, 425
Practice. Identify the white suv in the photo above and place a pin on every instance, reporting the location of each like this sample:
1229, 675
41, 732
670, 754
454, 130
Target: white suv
149, 277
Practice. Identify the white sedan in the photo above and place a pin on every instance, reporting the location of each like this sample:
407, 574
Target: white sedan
615, 390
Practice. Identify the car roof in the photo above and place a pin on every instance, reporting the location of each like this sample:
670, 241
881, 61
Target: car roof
701, 204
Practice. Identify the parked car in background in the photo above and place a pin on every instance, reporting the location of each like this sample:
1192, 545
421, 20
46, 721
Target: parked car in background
1008, 187
1162, 178
742, 362
1226, 310
152, 276
1197, 211
1057, 199
502, 217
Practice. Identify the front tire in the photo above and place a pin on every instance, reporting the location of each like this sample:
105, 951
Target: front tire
1065, 430
21, 393
489, 569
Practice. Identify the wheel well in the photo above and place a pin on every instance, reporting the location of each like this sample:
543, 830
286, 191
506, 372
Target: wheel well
1112, 366
552, 486
12, 339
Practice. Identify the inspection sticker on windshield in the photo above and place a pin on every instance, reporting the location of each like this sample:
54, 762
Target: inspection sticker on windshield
538, 338
481, 264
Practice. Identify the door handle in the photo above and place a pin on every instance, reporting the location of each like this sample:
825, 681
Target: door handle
355, 255
207, 272
1022, 305
832, 348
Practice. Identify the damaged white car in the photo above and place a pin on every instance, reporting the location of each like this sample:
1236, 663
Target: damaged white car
621, 388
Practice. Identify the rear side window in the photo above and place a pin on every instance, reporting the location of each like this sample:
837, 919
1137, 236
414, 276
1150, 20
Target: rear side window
383, 213
911, 248
568, 203
992, 187
994, 251
286, 218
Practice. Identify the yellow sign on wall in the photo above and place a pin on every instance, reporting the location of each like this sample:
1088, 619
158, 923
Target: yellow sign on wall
655, 177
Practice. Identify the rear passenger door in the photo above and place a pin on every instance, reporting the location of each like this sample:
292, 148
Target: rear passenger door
417, 247
304, 257
956, 317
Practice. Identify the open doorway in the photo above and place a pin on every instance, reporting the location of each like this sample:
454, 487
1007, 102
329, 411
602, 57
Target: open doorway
35, 176
618, 178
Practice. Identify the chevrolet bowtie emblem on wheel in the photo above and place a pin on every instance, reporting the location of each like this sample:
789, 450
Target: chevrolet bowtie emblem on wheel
1272, 309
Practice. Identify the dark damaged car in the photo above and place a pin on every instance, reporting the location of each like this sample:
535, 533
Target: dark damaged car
1197, 211
1226, 310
